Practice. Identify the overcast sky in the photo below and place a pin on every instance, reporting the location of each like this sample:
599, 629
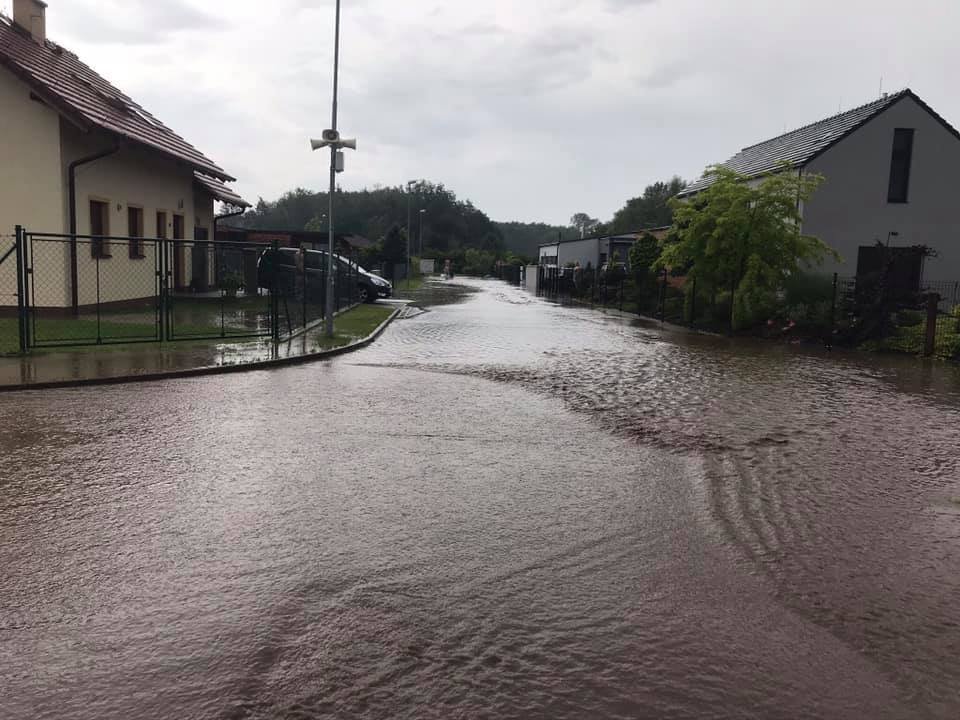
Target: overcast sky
532, 109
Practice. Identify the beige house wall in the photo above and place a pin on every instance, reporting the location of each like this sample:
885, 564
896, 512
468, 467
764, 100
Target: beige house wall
131, 177
31, 193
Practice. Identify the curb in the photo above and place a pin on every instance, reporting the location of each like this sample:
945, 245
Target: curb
208, 369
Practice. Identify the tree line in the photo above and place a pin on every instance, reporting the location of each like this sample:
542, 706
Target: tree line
446, 228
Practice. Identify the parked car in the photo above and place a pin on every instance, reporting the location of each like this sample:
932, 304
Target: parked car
370, 287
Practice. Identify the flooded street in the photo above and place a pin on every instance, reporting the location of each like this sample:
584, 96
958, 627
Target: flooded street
503, 508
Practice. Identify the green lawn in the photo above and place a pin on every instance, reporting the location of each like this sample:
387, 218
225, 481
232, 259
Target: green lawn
191, 318
402, 290
354, 325
69, 331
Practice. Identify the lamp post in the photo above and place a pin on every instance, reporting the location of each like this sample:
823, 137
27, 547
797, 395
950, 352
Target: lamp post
332, 140
422, 213
409, 229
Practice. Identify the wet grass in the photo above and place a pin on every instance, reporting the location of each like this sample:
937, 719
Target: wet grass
402, 289
354, 325
119, 335
63, 334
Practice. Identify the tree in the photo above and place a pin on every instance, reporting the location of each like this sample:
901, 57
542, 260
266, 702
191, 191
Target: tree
584, 223
745, 239
450, 224
643, 255
652, 209
395, 246
526, 238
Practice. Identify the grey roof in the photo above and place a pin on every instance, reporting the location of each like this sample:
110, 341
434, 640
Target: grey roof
799, 147
219, 191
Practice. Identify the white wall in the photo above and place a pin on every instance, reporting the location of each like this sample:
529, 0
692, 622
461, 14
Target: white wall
547, 251
580, 251
30, 189
530, 279
137, 177
850, 209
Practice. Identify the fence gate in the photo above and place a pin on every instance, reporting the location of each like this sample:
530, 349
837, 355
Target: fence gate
210, 291
77, 291
63, 291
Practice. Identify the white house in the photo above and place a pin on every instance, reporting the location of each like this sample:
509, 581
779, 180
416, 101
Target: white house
79, 157
890, 170
593, 251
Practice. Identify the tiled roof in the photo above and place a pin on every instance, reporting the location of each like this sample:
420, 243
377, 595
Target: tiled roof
59, 78
798, 147
219, 190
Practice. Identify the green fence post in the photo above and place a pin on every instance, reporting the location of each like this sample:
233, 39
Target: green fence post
274, 299
21, 293
930, 340
832, 327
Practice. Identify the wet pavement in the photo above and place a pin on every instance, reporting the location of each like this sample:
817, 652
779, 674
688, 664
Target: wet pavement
503, 508
144, 359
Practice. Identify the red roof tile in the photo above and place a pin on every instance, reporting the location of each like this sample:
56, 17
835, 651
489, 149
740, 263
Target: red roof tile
85, 98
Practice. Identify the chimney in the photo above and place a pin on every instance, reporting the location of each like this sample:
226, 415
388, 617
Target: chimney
31, 15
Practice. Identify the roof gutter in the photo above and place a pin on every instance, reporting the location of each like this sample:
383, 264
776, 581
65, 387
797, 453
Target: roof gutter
72, 182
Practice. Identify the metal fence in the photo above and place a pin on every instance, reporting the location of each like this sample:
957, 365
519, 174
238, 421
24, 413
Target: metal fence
869, 311
590, 286
61, 291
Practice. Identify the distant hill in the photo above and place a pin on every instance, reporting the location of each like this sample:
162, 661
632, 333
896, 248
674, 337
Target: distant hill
526, 238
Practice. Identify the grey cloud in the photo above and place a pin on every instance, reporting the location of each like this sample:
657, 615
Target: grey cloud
134, 22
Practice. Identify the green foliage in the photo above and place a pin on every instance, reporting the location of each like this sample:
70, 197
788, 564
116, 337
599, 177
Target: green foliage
449, 224
644, 253
911, 338
394, 246
746, 239
525, 239
584, 224
652, 209
477, 262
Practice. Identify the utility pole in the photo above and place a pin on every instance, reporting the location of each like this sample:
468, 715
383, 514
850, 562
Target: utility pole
423, 211
332, 140
331, 289
409, 241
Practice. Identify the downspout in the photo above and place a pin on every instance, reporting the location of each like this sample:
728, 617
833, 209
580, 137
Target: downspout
72, 182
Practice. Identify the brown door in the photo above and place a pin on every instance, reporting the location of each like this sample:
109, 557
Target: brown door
179, 255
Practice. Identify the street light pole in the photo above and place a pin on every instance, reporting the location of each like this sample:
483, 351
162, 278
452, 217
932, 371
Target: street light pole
328, 311
422, 213
409, 241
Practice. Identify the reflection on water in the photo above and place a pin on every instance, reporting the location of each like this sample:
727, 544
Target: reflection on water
719, 529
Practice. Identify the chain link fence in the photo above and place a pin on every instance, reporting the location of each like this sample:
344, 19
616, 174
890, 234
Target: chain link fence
9, 313
871, 312
61, 291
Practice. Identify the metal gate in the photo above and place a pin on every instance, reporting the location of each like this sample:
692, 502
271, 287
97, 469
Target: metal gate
75, 292
219, 293
65, 291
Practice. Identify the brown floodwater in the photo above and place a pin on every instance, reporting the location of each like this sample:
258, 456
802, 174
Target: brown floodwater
504, 508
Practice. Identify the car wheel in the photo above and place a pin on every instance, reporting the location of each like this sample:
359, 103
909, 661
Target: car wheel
363, 294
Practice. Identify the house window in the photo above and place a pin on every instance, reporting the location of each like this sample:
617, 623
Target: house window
99, 229
900, 165
135, 231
